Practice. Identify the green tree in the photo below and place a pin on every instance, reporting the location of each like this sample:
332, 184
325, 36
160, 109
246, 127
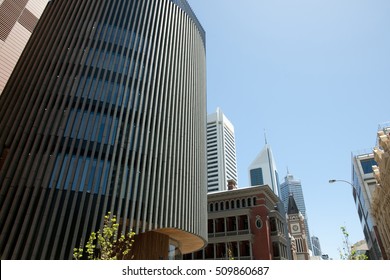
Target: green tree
230, 254
348, 252
105, 244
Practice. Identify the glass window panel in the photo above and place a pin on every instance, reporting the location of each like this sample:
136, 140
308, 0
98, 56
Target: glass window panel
256, 177
367, 165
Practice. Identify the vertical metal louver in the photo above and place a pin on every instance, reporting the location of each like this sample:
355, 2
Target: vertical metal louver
105, 111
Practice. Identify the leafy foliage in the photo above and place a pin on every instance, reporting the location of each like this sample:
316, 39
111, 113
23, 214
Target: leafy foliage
230, 254
348, 252
104, 245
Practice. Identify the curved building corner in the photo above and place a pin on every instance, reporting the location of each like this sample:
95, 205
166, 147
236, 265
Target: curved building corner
105, 111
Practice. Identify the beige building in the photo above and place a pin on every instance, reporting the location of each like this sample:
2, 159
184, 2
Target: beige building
381, 196
17, 21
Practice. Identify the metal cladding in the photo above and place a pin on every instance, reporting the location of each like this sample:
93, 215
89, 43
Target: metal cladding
105, 111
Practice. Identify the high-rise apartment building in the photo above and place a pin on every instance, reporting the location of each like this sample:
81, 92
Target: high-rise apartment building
17, 21
221, 152
292, 186
105, 112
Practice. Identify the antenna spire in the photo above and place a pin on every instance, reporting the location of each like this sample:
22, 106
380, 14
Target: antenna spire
265, 137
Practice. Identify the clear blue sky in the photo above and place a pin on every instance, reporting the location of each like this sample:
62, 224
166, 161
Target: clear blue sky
315, 74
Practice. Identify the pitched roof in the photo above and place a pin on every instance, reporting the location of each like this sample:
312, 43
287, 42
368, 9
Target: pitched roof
292, 206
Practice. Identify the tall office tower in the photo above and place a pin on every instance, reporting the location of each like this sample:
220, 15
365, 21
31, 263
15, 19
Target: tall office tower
17, 21
221, 152
364, 184
106, 112
294, 187
263, 170
316, 246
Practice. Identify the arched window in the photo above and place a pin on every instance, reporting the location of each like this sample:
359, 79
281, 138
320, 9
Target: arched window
254, 201
238, 203
227, 205
243, 202
211, 207
232, 204
249, 202
221, 206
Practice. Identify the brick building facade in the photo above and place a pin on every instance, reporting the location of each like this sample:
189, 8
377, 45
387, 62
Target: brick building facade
244, 224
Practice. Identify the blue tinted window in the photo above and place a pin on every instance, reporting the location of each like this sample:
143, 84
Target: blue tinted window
367, 165
257, 177
91, 126
90, 170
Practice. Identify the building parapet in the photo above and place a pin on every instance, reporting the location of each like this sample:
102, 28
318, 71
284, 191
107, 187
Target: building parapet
362, 153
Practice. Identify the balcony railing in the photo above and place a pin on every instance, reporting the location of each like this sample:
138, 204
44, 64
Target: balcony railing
229, 233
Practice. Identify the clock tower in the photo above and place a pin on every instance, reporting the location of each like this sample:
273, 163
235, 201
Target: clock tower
297, 229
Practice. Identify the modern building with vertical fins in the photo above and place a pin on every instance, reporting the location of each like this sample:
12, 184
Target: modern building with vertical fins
17, 21
221, 152
106, 112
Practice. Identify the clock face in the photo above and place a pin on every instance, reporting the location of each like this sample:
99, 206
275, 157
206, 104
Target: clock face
295, 228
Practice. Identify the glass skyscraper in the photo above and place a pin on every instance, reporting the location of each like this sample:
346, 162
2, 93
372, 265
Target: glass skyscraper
316, 246
105, 111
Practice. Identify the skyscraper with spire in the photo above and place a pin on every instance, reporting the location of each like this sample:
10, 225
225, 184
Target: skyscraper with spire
263, 170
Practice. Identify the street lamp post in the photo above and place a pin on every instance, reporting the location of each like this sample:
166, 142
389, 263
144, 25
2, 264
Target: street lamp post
354, 188
366, 224
334, 181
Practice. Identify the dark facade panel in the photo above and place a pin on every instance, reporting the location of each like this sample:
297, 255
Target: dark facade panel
10, 11
105, 111
28, 20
